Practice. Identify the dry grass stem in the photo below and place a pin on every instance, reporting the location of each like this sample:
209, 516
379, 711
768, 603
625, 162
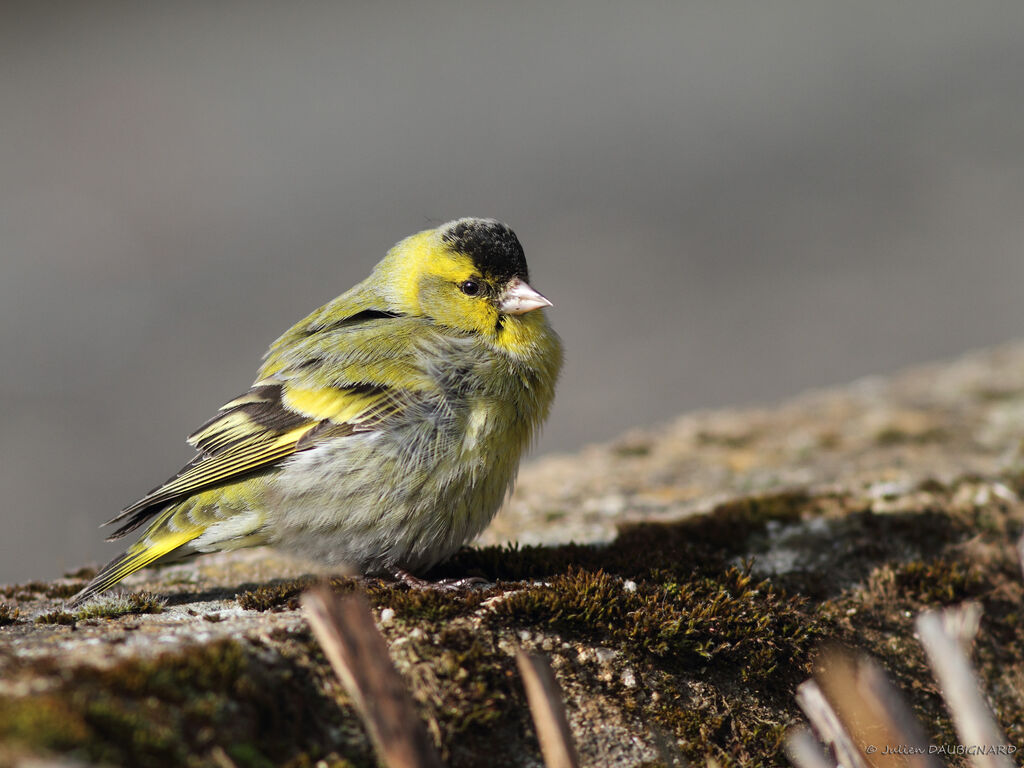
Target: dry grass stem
545, 699
880, 723
352, 643
943, 635
828, 724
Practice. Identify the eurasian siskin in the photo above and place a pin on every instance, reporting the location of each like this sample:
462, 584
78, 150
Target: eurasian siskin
383, 431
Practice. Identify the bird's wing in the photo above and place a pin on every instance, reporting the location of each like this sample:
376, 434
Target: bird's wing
327, 383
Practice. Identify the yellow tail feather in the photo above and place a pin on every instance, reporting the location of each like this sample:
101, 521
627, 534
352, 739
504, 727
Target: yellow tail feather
137, 556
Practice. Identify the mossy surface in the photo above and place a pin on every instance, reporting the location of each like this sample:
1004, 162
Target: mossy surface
675, 628
718, 650
104, 607
113, 607
8, 614
180, 708
277, 595
57, 617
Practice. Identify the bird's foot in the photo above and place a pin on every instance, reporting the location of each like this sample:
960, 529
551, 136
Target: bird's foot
443, 585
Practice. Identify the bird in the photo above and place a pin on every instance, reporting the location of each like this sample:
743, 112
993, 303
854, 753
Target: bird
382, 432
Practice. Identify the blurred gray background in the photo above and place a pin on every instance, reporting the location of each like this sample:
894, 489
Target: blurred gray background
727, 202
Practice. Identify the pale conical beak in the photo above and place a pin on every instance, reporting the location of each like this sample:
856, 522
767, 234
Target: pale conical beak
520, 298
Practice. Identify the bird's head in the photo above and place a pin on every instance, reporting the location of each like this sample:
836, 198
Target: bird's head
469, 275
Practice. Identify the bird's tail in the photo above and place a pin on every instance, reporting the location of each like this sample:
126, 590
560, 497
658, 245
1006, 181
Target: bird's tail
160, 541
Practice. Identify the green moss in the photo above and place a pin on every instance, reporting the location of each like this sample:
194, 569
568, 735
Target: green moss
943, 581
712, 729
277, 595
898, 436
756, 511
49, 721
56, 617
727, 618
10, 590
426, 604
162, 710
429, 605
114, 606
8, 614
469, 694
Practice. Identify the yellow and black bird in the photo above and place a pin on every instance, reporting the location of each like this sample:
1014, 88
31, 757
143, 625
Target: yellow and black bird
383, 431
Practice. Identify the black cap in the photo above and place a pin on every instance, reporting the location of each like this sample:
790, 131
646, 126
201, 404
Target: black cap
493, 247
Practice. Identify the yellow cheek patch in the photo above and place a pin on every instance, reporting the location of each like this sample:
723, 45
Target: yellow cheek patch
425, 253
482, 316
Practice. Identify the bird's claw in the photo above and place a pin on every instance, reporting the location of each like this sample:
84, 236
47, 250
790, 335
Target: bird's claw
442, 585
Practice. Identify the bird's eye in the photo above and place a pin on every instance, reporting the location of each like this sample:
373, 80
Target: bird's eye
470, 287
